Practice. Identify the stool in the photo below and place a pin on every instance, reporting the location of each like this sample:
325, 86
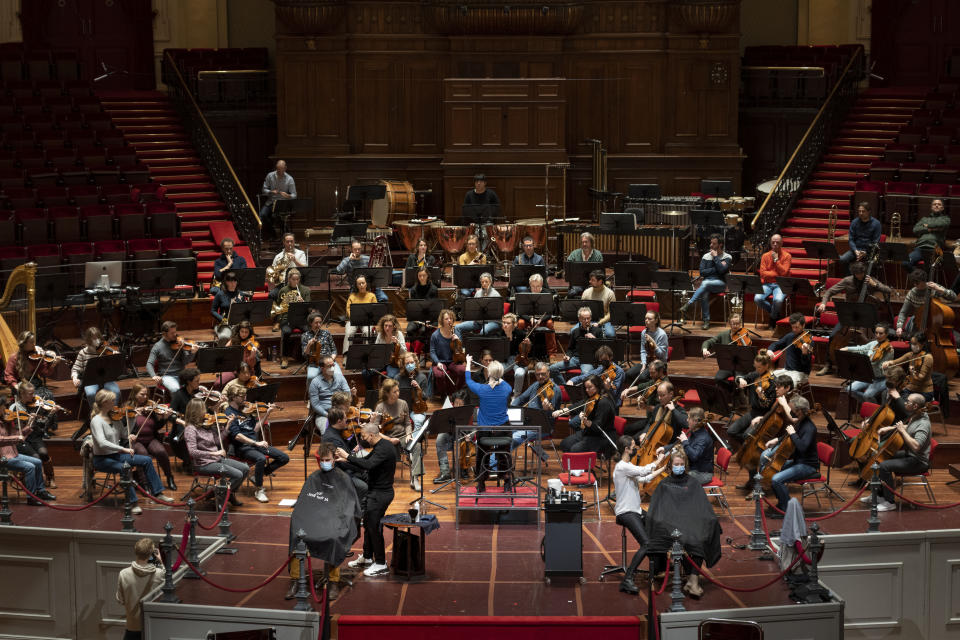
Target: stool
622, 567
492, 446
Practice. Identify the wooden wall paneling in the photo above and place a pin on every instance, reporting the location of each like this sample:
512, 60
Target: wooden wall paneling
489, 126
587, 104
641, 112
312, 103
422, 107
518, 125
702, 100
376, 94
527, 194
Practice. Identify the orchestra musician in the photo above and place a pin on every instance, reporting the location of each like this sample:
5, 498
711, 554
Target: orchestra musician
714, 266
914, 456
447, 376
879, 350
292, 292
333, 436
11, 435
850, 286
543, 394
646, 395
145, 433
243, 378
480, 204
516, 337
33, 444
479, 375
760, 394
208, 453
669, 411
288, 258
528, 256
244, 336
586, 253
492, 396
393, 416
380, 465
472, 255
168, 357
606, 368
410, 377
930, 232
109, 455
92, 347
803, 463
544, 338
784, 394
698, 446
357, 260
919, 363
773, 263
865, 232
655, 345
32, 364
359, 296
278, 185
444, 443
314, 343
322, 388
421, 257
228, 260
797, 351
424, 288
246, 432
388, 332
735, 332
596, 430
627, 478
600, 291
584, 329
189, 386
486, 290
220, 307
919, 295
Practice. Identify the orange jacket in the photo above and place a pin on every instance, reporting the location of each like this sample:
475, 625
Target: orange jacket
769, 270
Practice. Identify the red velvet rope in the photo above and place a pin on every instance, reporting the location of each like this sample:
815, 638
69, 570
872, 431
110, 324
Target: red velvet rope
313, 588
184, 540
922, 505
766, 530
60, 507
170, 504
829, 515
740, 589
223, 510
666, 577
272, 577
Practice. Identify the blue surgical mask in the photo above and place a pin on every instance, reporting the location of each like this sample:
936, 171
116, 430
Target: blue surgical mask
326, 465
678, 469
410, 367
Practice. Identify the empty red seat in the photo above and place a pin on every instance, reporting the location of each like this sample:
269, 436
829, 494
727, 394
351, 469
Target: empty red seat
147, 192
162, 219
53, 196
115, 193
899, 152
77, 252
44, 255
33, 225
11, 178
20, 197
110, 250
83, 195
97, 221
131, 220
908, 188
65, 222
8, 228
914, 171
177, 247
929, 153
12, 256
935, 190
944, 174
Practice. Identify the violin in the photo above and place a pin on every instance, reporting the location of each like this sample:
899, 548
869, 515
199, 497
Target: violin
253, 382
398, 351
803, 339
108, 350
251, 344
419, 402
880, 351
12, 416
161, 410
208, 395
741, 338
48, 357
249, 408
221, 420
523, 353
456, 346
119, 413
355, 417
184, 345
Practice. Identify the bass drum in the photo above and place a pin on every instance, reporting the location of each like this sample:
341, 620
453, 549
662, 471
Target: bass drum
399, 201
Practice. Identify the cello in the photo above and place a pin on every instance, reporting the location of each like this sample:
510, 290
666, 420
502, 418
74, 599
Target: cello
884, 451
867, 439
936, 320
781, 455
658, 435
846, 334
773, 422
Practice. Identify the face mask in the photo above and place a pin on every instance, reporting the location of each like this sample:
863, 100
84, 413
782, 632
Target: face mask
326, 465
410, 367
915, 348
678, 469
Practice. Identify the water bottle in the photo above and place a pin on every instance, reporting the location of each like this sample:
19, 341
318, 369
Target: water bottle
273, 353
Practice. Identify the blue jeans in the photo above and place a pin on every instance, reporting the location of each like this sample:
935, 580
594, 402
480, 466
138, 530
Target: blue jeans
846, 259
381, 296
557, 368
521, 436
914, 259
172, 383
868, 391
609, 331
91, 391
760, 300
113, 463
467, 293
32, 469
258, 457
471, 325
791, 471
707, 286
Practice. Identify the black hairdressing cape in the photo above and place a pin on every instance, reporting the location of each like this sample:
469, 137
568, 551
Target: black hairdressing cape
680, 503
328, 511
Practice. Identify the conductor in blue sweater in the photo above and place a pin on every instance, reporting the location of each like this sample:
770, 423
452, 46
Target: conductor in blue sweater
493, 396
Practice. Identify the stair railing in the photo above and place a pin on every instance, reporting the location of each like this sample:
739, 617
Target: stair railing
242, 212
806, 156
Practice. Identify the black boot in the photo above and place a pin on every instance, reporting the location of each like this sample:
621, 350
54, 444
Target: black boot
627, 585
171, 484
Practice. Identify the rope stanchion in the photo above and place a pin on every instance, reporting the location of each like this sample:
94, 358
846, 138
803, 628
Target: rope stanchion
922, 505
663, 587
6, 516
150, 496
213, 584
832, 514
166, 550
740, 589
219, 517
59, 507
313, 587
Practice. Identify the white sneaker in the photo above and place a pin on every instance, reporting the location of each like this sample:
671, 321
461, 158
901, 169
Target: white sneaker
883, 505
163, 498
376, 570
415, 483
360, 561
866, 499
261, 496
137, 510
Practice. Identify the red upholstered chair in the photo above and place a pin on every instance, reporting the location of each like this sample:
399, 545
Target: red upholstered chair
77, 252
714, 488
12, 256
162, 219
911, 135
148, 192
176, 247
919, 479
97, 221
33, 223
899, 152
66, 223
20, 197
110, 250
884, 170
582, 463
931, 153
84, 195
809, 486
131, 220
11, 178
8, 228
45, 255
943, 174
914, 171
115, 193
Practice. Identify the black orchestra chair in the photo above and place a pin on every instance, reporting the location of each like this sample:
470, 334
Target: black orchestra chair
203, 481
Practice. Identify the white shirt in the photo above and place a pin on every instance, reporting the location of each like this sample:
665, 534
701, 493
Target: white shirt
625, 478
298, 256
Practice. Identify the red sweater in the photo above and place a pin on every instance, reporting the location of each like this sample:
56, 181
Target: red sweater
769, 270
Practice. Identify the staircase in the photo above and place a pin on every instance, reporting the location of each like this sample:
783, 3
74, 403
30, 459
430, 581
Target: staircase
151, 125
871, 124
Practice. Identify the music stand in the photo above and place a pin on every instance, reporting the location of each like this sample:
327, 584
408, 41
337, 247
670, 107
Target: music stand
480, 213
620, 224
854, 366
633, 274
286, 207
377, 277
250, 279
542, 421
578, 273
103, 369
856, 315
368, 313
186, 269
821, 251
792, 287
701, 218
254, 312
446, 421
158, 279
569, 309
419, 439
369, 357
51, 290
499, 347
533, 305
644, 191
576, 393
314, 276
483, 310
587, 349
673, 281
297, 312
426, 311
628, 314
410, 276
736, 358
346, 231
520, 274
467, 276
717, 188
357, 194
742, 284
218, 359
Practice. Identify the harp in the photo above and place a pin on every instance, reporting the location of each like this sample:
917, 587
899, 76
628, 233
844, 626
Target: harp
18, 307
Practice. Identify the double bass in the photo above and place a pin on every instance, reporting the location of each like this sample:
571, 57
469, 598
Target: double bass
936, 320
844, 337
